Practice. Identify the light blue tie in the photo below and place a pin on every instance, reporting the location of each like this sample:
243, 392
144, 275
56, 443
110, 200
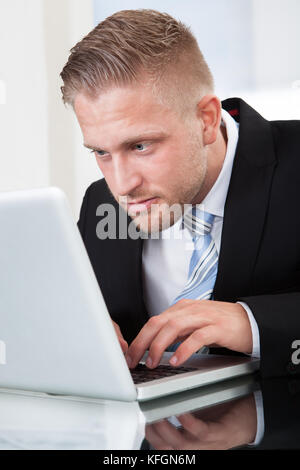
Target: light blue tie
204, 261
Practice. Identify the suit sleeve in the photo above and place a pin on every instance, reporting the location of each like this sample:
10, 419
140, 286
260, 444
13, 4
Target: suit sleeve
278, 320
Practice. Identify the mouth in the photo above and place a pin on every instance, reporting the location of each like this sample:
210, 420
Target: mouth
141, 205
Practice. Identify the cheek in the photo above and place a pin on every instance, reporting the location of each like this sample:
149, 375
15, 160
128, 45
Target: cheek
167, 165
173, 166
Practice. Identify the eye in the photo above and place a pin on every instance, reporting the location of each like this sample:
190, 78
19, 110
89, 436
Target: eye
141, 147
99, 153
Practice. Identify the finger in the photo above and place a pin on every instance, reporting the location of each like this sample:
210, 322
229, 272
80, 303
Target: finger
155, 439
170, 433
173, 330
199, 338
145, 337
116, 327
194, 426
184, 313
117, 330
123, 343
143, 340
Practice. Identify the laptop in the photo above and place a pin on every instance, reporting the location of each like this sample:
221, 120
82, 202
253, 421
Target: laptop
56, 335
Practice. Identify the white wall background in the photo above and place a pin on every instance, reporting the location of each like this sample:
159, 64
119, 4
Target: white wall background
40, 142
252, 47
216, 24
23, 112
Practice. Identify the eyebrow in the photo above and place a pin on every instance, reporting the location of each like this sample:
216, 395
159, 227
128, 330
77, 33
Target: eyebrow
133, 140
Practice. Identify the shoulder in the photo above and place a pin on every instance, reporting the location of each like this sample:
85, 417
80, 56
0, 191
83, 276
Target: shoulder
286, 138
286, 132
96, 194
283, 136
98, 191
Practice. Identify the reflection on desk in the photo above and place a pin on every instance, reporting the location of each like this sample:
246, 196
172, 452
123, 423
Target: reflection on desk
224, 423
220, 416
39, 421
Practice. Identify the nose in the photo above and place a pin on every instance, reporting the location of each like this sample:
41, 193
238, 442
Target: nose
127, 177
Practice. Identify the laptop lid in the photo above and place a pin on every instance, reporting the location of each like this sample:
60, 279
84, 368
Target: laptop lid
55, 331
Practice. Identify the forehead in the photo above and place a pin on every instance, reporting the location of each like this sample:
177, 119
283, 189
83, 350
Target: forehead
122, 111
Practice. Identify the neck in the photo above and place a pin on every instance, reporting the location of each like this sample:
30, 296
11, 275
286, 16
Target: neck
216, 153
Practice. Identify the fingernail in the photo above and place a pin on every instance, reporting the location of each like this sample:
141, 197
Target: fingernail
149, 362
173, 360
128, 360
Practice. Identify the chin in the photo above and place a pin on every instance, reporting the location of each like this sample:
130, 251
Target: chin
152, 223
148, 226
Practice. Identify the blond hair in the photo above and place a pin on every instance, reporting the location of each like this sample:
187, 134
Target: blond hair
131, 45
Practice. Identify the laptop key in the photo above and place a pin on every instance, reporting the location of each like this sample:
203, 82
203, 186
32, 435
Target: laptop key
142, 374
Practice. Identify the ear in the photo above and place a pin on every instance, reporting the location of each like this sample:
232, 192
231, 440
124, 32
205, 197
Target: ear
209, 112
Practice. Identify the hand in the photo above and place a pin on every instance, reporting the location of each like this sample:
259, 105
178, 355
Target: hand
123, 343
196, 323
221, 427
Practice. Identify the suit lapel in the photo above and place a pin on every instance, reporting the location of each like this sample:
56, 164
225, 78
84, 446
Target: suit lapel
246, 203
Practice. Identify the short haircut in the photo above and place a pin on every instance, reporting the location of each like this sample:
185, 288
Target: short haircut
137, 47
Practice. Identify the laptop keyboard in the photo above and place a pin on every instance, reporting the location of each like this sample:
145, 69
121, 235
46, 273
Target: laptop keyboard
142, 374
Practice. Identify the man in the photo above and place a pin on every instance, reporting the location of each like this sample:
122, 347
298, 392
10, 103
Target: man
144, 98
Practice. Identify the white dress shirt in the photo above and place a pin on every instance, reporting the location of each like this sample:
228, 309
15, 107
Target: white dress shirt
166, 260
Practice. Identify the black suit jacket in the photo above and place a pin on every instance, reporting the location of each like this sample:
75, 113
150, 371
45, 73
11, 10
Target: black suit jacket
259, 261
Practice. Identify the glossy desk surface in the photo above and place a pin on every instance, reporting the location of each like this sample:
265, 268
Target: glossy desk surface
245, 413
